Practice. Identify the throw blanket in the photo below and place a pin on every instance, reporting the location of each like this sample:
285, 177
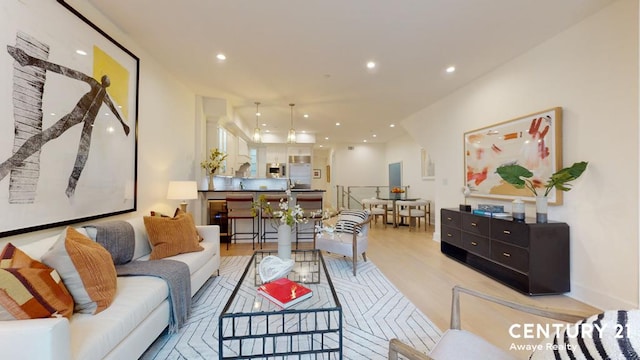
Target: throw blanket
178, 278
118, 237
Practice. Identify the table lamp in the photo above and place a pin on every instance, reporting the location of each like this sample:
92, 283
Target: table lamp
182, 190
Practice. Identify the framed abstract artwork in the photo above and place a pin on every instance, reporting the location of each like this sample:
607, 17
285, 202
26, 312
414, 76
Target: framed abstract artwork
69, 105
533, 141
317, 173
427, 166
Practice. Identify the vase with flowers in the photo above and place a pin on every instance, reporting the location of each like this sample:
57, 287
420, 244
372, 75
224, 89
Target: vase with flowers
520, 177
212, 164
283, 218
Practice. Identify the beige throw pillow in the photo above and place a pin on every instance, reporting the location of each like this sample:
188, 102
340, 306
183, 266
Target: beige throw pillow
86, 269
172, 236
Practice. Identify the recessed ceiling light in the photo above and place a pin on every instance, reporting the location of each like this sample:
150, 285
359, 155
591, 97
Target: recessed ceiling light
326, 138
451, 69
81, 52
264, 124
365, 140
337, 124
258, 113
371, 65
321, 145
374, 135
392, 125
221, 57
306, 115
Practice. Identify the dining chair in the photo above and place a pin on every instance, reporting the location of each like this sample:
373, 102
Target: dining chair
377, 208
414, 211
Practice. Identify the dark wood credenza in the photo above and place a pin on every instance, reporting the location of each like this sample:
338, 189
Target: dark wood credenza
529, 257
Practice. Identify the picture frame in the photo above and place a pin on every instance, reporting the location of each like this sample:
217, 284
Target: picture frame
68, 151
317, 173
533, 141
427, 166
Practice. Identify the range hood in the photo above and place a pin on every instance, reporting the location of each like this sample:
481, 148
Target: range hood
299, 159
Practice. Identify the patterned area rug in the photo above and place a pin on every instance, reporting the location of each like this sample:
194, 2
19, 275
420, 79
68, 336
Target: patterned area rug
374, 311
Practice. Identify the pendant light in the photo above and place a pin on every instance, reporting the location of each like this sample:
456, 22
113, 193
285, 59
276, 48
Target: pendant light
257, 137
291, 138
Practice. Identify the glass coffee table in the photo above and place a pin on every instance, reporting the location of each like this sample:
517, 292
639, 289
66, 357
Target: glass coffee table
250, 326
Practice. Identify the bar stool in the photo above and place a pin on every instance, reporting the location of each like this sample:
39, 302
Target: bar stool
273, 203
311, 205
240, 207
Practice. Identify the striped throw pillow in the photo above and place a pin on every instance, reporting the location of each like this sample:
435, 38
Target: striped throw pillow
348, 220
29, 289
613, 334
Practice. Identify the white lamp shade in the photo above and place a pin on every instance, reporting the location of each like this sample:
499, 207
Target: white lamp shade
182, 190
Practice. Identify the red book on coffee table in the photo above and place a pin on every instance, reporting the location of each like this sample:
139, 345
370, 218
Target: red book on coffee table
284, 292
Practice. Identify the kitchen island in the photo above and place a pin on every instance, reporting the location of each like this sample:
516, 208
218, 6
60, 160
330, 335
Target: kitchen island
213, 203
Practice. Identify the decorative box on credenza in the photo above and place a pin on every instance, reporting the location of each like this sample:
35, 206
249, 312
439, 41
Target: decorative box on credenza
530, 257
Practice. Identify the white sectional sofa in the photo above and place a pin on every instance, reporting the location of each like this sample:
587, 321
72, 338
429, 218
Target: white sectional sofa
138, 315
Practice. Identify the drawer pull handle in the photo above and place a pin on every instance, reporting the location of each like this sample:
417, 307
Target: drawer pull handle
474, 224
506, 254
449, 219
449, 235
474, 243
507, 232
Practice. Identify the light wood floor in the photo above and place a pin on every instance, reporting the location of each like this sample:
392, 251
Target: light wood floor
414, 264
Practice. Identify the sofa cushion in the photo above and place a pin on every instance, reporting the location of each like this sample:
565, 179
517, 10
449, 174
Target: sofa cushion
86, 269
136, 298
30, 289
172, 236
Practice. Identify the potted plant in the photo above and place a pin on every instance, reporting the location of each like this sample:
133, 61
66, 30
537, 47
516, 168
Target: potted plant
520, 177
213, 163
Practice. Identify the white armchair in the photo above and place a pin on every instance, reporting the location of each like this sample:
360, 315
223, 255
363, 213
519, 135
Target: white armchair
349, 237
461, 344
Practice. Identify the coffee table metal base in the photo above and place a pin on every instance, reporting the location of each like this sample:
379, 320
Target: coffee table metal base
313, 331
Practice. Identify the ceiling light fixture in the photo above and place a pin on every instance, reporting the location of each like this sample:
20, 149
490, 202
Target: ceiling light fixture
256, 132
221, 57
451, 69
291, 138
371, 65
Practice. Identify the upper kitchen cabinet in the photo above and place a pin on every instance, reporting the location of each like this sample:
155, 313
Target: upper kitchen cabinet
276, 153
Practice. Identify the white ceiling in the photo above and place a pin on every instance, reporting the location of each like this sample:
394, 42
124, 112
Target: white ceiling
313, 53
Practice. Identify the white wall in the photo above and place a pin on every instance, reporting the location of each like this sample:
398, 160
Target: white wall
166, 125
591, 70
407, 150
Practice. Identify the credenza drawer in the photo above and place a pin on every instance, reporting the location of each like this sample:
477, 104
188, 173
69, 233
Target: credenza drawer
451, 235
475, 224
450, 218
509, 255
510, 231
476, 244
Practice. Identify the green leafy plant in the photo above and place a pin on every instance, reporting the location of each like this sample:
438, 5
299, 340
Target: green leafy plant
520, 177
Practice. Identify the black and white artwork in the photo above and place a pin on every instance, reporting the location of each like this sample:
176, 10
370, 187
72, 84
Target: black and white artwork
68, 128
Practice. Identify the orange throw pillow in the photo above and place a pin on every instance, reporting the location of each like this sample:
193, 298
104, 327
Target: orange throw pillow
86, 268
172, 236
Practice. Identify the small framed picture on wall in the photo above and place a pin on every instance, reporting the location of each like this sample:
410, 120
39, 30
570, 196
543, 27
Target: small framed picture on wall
317, 173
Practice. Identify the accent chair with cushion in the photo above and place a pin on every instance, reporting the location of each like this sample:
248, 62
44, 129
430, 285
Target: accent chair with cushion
349, 236
457, 343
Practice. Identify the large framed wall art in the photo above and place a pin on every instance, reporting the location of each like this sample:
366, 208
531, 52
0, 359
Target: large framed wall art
68, 119
533, 141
